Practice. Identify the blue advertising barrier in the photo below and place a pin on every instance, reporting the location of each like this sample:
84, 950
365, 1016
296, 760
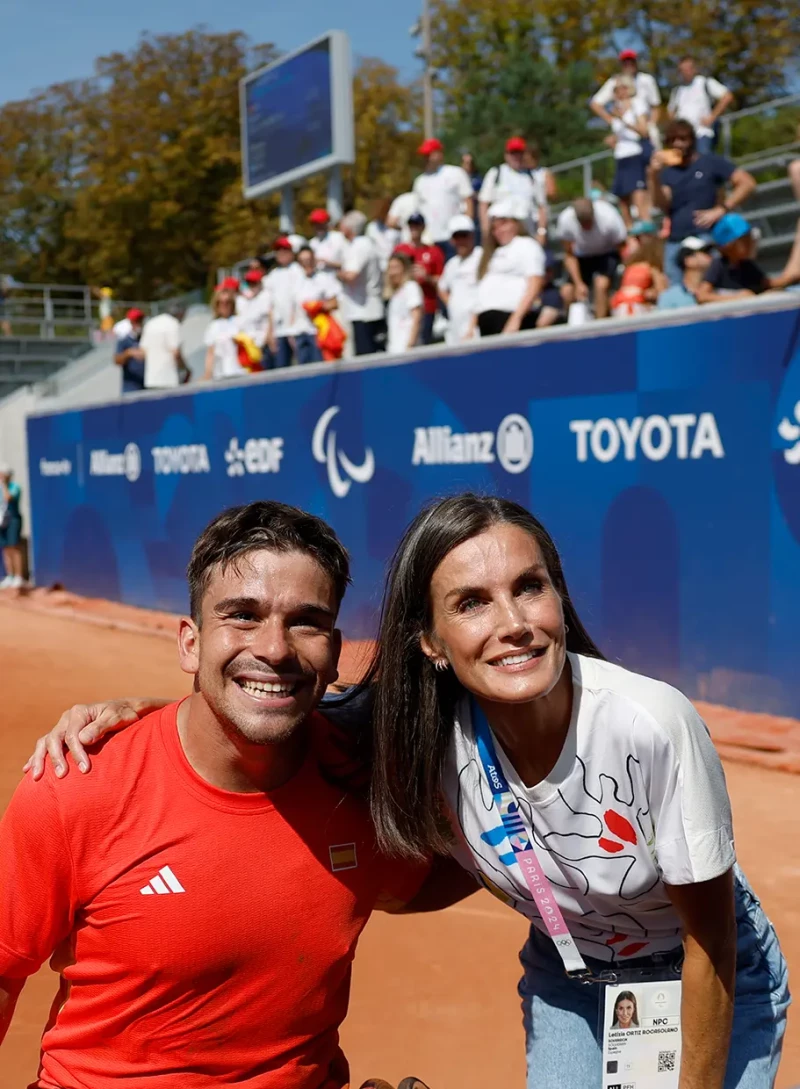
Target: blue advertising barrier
664, 460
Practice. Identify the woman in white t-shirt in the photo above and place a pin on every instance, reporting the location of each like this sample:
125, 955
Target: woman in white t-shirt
502, 736
222, 354
629, 128
404, 311
510, 272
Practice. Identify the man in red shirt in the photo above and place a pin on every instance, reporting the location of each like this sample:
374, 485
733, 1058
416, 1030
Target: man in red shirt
428, 267
201, 892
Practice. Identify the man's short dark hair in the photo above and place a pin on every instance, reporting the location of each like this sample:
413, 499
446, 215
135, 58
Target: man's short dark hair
269, 525
687, 57
679, 128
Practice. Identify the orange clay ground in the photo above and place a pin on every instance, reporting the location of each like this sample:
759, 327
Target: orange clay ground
433, 996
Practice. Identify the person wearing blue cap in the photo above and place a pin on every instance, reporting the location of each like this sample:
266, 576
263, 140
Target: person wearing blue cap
734, 273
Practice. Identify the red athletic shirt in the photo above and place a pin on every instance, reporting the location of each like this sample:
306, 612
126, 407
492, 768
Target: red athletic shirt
203, 937
432, 260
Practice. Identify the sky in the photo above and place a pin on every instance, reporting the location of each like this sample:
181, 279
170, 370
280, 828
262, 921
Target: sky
49, 41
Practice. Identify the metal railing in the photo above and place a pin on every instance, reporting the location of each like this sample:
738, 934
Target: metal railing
587, 164
51, 311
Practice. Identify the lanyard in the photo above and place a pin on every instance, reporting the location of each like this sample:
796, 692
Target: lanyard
524, 852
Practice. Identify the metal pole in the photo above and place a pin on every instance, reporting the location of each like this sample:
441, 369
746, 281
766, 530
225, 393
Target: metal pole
48, 330
727, 136
587, 178
427, 75
287, 210
335, 194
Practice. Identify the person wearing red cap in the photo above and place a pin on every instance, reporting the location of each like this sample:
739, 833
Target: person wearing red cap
442, 191
327, 245
283, 284
128, 355
647, 98
514, 180
254, 310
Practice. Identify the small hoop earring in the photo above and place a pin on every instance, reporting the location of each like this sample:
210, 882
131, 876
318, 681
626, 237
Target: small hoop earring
566, 629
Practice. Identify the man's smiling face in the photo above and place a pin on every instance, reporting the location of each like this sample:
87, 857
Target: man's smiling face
266, 647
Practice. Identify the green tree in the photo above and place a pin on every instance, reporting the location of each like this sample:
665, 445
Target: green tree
530, 97
39, 168
132, 178
160, 148
387, 132
749, 44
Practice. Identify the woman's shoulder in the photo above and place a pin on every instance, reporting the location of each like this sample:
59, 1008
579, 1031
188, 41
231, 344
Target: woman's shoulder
651, 703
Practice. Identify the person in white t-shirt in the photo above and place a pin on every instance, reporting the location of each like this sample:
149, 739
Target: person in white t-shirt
402, 208
317, 285
442, 191
647, 95
282, 284
585, 797
362, 295
384, 237
327, 244
701, 101
123, 328
404, 311
254, 310
628, 136
515, 180
222, 355
510, 272
592, 232
458, 284
164, 366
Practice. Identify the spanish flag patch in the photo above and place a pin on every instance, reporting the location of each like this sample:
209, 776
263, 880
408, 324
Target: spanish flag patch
343, 856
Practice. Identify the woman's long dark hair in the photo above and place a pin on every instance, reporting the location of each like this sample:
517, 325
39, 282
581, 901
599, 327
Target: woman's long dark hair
414, 704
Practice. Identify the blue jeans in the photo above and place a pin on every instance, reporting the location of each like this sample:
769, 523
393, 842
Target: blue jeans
307, 348
561, 1015
283, 356
671, 267
705, 144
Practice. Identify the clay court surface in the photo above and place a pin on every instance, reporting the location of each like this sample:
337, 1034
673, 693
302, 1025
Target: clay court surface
433, 996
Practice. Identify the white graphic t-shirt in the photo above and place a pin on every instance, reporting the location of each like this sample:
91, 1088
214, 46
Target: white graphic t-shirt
637, 799
460, 281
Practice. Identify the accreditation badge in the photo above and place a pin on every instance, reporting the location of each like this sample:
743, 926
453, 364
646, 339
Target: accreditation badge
642, 1035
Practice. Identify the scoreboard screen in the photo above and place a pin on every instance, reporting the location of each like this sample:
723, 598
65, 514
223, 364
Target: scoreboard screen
297, 116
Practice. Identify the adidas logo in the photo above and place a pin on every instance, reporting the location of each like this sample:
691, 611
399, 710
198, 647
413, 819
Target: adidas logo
163, 883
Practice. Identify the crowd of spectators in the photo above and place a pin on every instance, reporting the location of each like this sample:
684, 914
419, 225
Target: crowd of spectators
466, 254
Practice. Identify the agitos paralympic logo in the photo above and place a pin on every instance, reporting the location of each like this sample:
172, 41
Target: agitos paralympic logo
342, 472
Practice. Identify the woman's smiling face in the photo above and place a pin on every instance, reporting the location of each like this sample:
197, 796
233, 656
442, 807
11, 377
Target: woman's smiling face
497, 618
625, 1011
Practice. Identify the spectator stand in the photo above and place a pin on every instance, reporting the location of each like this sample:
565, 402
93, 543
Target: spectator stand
54, 324
772, 208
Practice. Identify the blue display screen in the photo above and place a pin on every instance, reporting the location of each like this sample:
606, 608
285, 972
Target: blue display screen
288, 122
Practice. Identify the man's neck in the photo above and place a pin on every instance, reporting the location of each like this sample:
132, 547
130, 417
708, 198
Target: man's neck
228, 761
